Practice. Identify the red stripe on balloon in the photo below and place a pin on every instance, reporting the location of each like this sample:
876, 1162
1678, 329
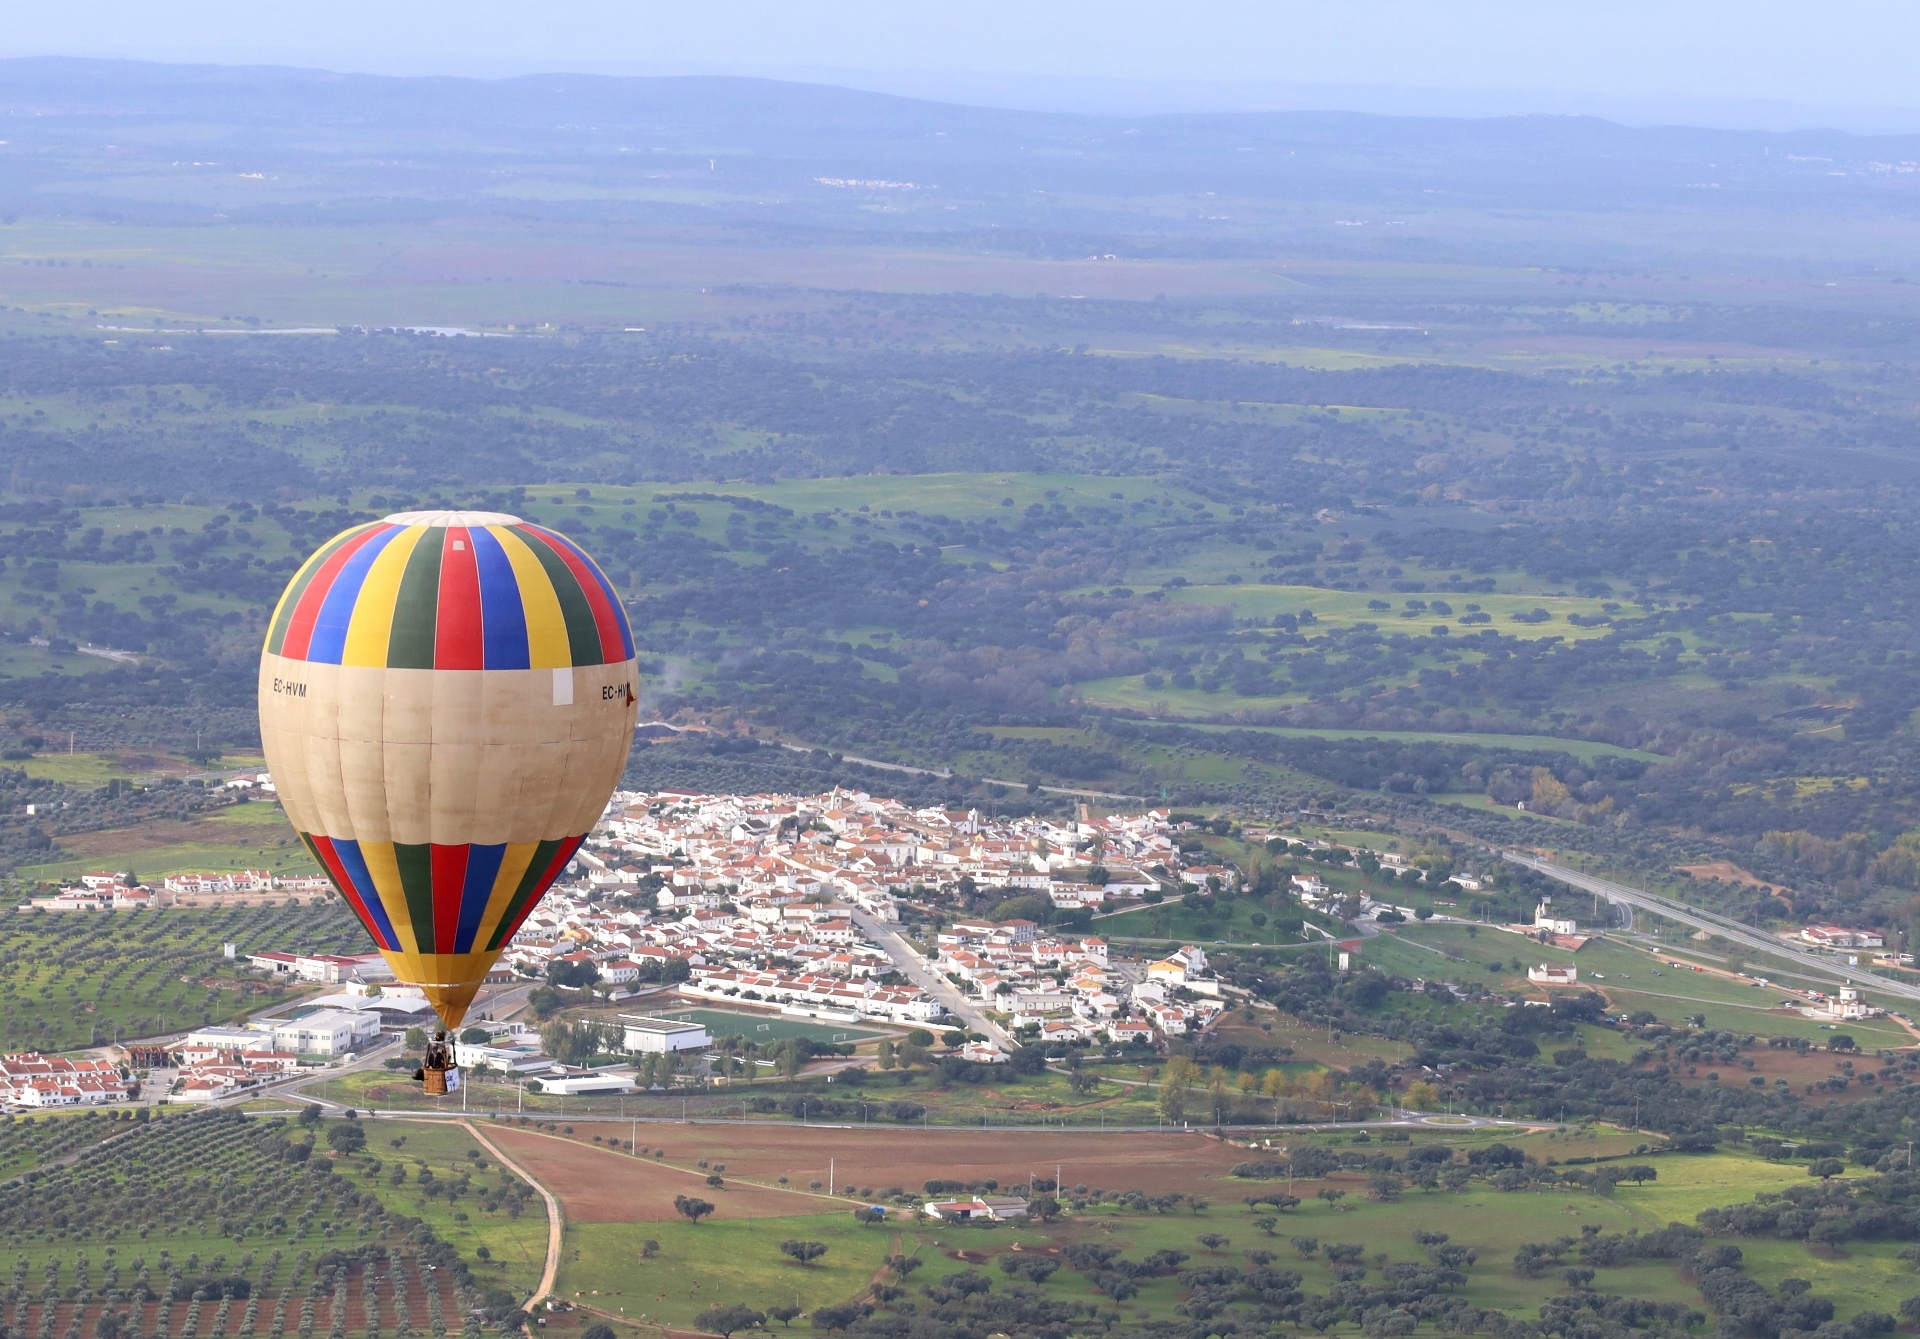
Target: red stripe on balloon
605, 620
449, 882
344, 882
300, 627
459, 641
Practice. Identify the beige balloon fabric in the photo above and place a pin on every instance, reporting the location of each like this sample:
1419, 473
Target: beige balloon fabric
447, 700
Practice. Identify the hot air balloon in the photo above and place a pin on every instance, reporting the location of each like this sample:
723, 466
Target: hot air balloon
446, 703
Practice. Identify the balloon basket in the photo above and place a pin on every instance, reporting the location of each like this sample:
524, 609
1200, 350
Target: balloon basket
434, 1082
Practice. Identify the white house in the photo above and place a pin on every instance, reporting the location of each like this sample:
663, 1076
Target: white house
1554, 974
658, 1036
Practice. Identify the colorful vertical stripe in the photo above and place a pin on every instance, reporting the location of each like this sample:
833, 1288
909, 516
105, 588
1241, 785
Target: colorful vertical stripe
440, 900
451, 597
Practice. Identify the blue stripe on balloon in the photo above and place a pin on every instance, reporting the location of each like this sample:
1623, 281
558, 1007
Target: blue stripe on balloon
329, 643
356, 866
505, 618
483, 866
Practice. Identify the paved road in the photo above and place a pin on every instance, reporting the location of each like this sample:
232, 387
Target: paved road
921, 972
1723, 926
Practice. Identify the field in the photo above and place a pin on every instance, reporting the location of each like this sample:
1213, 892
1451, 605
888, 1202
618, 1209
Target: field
165, 1206
766, 1027
734, 1255
516, 1239
628, 1258
876, 1158
75, 979
1622, 972
245, 836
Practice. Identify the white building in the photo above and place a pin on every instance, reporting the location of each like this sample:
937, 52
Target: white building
327, 1032
1544, 919
1553, 974
658, 1036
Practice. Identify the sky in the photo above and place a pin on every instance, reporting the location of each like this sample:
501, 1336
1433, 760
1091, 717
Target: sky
1708, 61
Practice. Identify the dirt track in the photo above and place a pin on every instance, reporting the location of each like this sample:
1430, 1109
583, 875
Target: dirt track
597, 1185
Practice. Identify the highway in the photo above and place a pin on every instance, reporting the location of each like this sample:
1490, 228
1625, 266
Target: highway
1727, 928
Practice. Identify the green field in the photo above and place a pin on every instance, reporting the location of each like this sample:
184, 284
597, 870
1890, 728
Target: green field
245, 836
767, 1027
719, 1260
724, 1260
1625, 974
516, 1242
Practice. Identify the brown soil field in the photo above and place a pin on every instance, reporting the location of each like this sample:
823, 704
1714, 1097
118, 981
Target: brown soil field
597, 1185
1728, 872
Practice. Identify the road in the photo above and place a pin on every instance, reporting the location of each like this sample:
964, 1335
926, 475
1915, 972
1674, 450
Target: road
987, 780
921, 972
1726, 928
556, 1225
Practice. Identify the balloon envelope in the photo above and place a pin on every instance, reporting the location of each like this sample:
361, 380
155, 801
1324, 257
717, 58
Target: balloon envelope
446, 703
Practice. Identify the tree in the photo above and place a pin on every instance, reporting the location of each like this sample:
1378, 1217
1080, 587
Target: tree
1422, 1096
346, 1138
479, 1036
1213, 1241
1044, 1207
1826, 1168
903, 1265
724, 1320
784, 1314
803, 1252
1266, 1225
1307, 1246
598, 1330
691, 1209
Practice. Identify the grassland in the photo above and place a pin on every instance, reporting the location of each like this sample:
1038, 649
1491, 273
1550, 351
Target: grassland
516, 1243
720, 1261
727, 1260
245, 836
768, 1027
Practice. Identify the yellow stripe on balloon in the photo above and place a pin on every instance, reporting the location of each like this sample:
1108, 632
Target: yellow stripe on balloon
547, 643
393, 897
513, 867
372, 625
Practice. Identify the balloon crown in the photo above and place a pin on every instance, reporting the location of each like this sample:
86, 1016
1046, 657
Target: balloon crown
452, 518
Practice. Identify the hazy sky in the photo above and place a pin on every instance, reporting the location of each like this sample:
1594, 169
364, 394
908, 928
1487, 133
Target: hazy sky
1833, 53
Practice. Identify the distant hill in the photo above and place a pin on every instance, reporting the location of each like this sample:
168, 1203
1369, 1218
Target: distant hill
137, 140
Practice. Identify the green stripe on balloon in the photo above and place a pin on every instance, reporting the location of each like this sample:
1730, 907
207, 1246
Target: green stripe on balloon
415, 863
583, 634
410, 646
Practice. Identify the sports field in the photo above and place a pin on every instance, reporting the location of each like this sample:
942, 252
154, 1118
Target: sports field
764, 1028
